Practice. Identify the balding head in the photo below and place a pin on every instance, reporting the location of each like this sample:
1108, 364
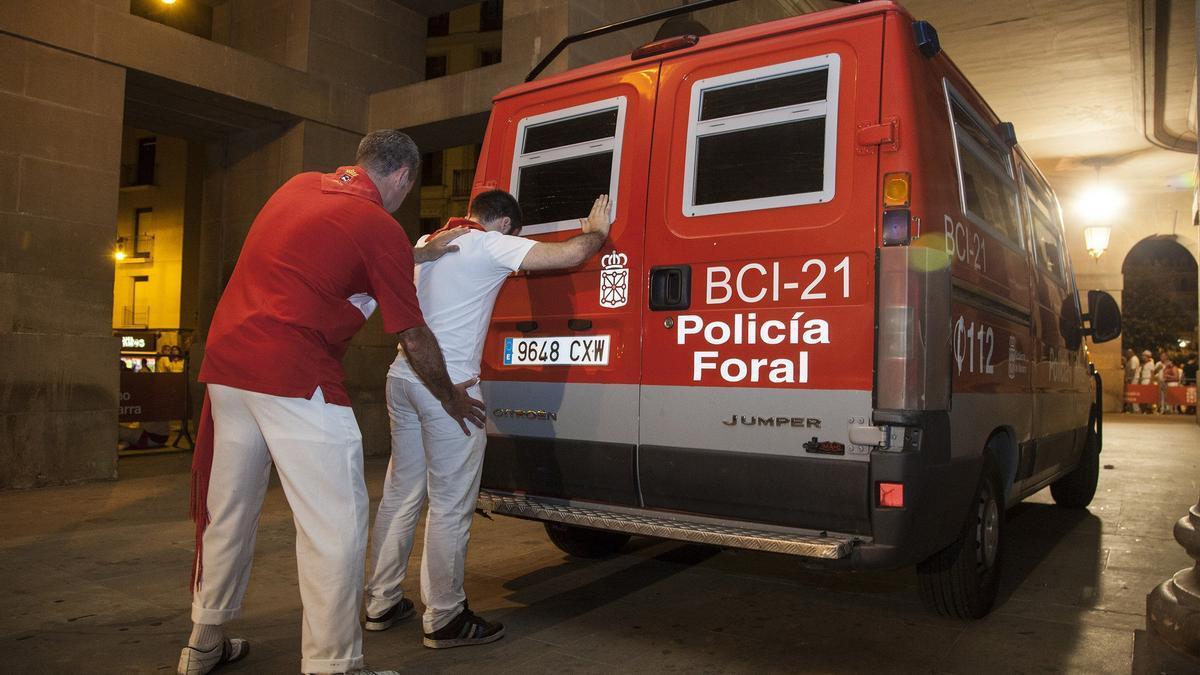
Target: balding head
392, 159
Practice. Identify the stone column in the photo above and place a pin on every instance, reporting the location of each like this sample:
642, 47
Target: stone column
1171, 642
60, 154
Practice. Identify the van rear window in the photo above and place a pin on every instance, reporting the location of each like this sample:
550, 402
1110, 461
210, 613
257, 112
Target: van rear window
564, 159
564, 190
775, 92
570, 131
762, 138
762, 162
987, 187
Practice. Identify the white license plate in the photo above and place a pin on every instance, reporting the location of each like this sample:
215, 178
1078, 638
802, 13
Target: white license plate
583, 350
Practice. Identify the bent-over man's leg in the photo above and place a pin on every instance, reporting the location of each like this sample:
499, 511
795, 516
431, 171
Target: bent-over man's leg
317, 450
455, 462
401, 504
241, 468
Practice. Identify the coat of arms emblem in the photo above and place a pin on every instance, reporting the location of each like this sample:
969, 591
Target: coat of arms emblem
614, 280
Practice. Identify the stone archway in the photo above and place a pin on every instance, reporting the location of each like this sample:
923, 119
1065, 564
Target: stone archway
1159, 301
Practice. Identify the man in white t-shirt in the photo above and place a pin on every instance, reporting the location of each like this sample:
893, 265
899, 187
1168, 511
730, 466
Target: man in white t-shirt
430, 453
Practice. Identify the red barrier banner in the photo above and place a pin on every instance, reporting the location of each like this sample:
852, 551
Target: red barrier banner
1141, 393
1181, 395
1149, 394
152, 397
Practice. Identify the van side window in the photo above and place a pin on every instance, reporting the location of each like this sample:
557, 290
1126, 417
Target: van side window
988, 191
565, 159
1047, 233
762, 138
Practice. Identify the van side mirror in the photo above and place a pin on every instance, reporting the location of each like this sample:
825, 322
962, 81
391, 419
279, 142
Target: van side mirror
1103, 320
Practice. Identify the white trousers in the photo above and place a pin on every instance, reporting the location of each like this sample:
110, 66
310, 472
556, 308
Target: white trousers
430, 456
317, 452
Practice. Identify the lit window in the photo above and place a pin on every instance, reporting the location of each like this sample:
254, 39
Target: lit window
565, 159
762, 138
987, 189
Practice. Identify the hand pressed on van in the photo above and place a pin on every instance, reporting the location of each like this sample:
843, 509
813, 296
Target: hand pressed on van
548, 255
600, 218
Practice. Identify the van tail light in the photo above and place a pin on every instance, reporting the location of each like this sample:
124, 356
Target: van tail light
913, 350
891, 495
896, 188
897, 219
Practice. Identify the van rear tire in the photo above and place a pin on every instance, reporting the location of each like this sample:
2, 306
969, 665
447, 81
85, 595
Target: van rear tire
582, 542
1076, 489
961, 580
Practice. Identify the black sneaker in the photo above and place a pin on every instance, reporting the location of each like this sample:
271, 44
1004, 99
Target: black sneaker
464, 630
398, 612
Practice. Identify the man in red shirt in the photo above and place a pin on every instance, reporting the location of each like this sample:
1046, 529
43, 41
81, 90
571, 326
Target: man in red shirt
321, 256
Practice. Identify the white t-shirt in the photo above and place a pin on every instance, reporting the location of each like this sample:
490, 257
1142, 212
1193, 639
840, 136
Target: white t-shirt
1146, 375
457, 293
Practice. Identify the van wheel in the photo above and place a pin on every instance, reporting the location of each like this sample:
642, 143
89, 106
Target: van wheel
582, 542
961, 580
1076, 489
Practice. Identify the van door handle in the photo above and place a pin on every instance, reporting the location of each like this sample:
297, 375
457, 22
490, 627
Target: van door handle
527, 326
670, 287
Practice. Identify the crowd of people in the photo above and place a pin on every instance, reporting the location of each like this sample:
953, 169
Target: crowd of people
1170, 369
169, 359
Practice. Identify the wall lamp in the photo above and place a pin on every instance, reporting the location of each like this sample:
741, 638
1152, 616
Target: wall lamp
1096, 239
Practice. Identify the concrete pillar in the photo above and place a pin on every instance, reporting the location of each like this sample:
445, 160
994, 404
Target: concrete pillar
193, 216
60, 146
1171, 641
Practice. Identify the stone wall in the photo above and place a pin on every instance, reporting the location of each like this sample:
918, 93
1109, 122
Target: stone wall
276, 30
60, 145
370, 45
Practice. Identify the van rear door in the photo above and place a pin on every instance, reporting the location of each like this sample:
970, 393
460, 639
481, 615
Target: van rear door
760, 246
562, 358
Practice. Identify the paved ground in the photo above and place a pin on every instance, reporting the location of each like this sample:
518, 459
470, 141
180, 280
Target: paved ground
93, 579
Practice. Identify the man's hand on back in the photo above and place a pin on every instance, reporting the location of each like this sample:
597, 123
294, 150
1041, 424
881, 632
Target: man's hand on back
465, 407
436, 247
425, 357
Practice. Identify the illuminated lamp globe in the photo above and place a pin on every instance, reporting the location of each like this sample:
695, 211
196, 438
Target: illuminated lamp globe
1100, 204
1096, 239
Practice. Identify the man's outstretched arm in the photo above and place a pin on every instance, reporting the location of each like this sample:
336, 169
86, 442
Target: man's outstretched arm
563, 254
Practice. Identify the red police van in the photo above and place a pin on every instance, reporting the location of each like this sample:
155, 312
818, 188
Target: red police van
835, 317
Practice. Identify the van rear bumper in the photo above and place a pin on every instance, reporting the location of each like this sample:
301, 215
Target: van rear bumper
827, 499
716, 532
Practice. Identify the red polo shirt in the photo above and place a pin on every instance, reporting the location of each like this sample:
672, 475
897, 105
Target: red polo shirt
284, 321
